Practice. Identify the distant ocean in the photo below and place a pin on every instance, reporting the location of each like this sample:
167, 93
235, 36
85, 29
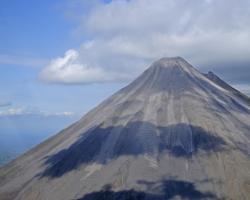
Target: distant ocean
18, 134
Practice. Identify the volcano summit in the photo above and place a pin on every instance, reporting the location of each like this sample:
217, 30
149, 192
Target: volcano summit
173, 133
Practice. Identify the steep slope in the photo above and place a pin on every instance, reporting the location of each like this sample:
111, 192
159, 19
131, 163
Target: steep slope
210, 75
171, 133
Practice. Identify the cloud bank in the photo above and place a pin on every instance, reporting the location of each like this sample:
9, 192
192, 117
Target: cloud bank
24, 111
124, 37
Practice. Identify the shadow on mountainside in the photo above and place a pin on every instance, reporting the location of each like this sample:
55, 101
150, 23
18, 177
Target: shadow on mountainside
102, 144
164, 190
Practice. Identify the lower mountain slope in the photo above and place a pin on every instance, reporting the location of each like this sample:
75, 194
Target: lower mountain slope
173, 133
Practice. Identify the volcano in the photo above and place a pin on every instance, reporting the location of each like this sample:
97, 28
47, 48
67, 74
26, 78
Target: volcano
173, 133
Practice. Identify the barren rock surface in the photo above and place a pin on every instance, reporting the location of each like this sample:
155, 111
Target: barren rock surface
173, 133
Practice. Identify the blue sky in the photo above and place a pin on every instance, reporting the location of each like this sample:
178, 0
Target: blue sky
32, 33
60, 57
30, 27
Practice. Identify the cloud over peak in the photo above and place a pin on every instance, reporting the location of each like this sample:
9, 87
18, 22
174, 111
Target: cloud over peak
126, 36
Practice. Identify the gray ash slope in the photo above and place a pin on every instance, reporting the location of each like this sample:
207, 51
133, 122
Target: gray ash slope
172, 133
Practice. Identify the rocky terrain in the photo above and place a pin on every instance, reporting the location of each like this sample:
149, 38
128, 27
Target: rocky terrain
173, 133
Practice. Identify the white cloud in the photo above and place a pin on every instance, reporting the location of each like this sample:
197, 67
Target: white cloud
70, 69
126, 36
12, 111
65, 114
24, 111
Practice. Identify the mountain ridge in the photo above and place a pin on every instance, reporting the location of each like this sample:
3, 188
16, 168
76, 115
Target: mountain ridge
213, 77
172, 127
